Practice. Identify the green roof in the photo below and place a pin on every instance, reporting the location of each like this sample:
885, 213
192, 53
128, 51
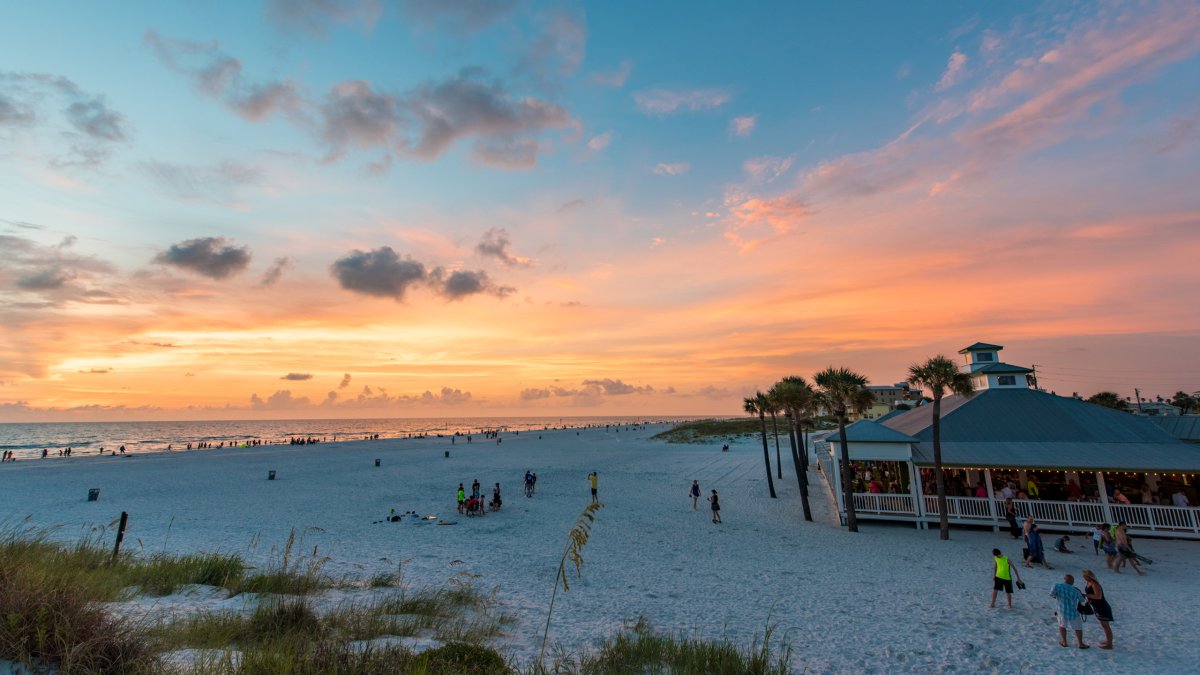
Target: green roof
980, 347
1026, 428
869, 431
1001, 368
1186, 427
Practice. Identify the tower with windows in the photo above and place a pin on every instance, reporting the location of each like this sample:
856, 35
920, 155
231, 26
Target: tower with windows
989, 372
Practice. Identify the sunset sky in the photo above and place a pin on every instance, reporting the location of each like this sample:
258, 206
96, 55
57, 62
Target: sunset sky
418, 208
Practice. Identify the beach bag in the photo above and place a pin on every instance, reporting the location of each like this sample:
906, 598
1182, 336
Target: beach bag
1085, 608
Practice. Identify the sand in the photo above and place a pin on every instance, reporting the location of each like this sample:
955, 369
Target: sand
890, 598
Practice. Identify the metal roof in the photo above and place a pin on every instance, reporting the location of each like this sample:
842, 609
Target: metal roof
1186, 427
869, 431
1026, 428
1001, 368
980, 347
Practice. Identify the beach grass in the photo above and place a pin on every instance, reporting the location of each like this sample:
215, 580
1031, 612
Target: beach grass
708, 431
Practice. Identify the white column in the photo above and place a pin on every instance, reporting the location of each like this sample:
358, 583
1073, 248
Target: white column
836, 456
987, 480
1108, 515
914, 479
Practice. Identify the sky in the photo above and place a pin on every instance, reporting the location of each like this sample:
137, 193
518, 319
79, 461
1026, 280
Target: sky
423, 208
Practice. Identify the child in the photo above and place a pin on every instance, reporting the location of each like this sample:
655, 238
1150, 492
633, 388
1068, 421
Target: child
1062, 546
1002, 571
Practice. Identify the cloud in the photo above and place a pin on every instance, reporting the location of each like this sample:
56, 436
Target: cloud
426, 121
97, 128
611, 387
345, 381
316, 16
383, 273
534, 394
676, 169
572, 205
367, 399
216, 183
614, 78
463, 283
379, 273
46, 279
495, 244
955, 71
662, 101
601, 141
219, 76
297, 377
275, 271
743, 126
213, 257
749, 217
766, 169
280, 400
50, 269
904, 71
558, 48
96, 371
463, 16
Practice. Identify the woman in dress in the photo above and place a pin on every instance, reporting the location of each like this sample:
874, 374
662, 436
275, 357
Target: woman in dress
1095, 595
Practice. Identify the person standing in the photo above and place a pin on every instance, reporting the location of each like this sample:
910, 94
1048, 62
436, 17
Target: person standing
1037, 554
462, 497
716, 507
695, 492
1068, 598
1097, 537
595, 479
1002, 571
1010, 514
475, 489
1095, 595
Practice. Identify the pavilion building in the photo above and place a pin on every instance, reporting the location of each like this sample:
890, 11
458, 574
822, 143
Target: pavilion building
1068, 463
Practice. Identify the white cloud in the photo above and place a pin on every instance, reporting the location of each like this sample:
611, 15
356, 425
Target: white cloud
955, 70
743, 126
676, 169
600, 142
661, 101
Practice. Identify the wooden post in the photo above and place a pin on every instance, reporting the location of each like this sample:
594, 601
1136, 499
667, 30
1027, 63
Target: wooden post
1108, 514
987, 481
120, 535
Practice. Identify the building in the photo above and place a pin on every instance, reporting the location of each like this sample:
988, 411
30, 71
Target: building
1154, 409
1079, 464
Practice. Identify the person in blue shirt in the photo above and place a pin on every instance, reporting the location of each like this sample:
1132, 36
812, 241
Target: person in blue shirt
1068, 598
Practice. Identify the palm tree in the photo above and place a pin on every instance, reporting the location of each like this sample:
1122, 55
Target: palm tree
1108, 399
794, 395
940, 375
773, 409
841, 390
757, 405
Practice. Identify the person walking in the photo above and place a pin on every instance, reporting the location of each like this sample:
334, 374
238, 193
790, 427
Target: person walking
716, 507
1095, 595
1068, 598
1097, 537
695, 492
1010, 514
1002, 573
462, 497
595, 479
1125, 552
1037, 554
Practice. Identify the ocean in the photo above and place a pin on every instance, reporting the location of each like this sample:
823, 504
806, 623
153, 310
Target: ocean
86, 438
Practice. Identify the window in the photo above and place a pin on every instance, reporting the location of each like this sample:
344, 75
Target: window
1006, 380
985, 356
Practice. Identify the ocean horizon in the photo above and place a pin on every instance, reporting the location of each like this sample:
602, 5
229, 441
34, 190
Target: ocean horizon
27, 440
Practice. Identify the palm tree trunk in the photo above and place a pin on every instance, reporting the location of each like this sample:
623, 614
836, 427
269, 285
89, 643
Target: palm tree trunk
801, 478
943, 520
766, 453
778, 461
847, 483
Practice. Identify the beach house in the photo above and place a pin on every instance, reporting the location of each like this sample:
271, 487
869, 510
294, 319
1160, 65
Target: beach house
1067, 463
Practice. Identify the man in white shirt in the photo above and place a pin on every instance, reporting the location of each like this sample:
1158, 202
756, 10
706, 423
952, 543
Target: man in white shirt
1180, 499
1007, 492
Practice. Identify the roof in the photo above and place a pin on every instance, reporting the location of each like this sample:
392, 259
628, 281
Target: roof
870, 431
1186, 427
890, 415
980, 347
1001, 368
1033, 429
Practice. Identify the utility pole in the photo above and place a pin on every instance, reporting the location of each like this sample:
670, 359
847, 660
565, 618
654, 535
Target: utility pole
1033, 377
1138, 394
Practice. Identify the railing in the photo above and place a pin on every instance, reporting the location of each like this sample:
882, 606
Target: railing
1144, 519
883, 504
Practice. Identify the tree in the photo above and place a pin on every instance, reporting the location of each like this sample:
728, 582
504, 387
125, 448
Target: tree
1108, 399
773, 409
939, 376
795, 397
757, 405
1184, 401
841, 390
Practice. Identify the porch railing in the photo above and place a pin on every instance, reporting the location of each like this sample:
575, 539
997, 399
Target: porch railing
882, 504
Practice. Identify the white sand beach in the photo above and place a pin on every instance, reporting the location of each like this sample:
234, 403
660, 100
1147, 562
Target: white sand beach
888, 599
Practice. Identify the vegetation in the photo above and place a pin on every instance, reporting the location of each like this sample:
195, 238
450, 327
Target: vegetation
573, 553
840, 390
1108, 399
940, 376
639, 649
758, 405
1185, 402
707, 431
796, 398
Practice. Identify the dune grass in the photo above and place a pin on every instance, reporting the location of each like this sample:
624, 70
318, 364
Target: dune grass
709, 431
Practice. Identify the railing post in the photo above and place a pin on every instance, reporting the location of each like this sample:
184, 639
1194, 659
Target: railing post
991, 495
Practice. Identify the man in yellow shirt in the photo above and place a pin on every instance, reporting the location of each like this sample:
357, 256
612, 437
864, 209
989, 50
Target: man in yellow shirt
595, 484
1002, 572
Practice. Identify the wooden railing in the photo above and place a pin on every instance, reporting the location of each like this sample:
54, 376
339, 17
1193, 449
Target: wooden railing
884, 504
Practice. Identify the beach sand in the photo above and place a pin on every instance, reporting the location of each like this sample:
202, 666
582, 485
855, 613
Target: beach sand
890, 598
